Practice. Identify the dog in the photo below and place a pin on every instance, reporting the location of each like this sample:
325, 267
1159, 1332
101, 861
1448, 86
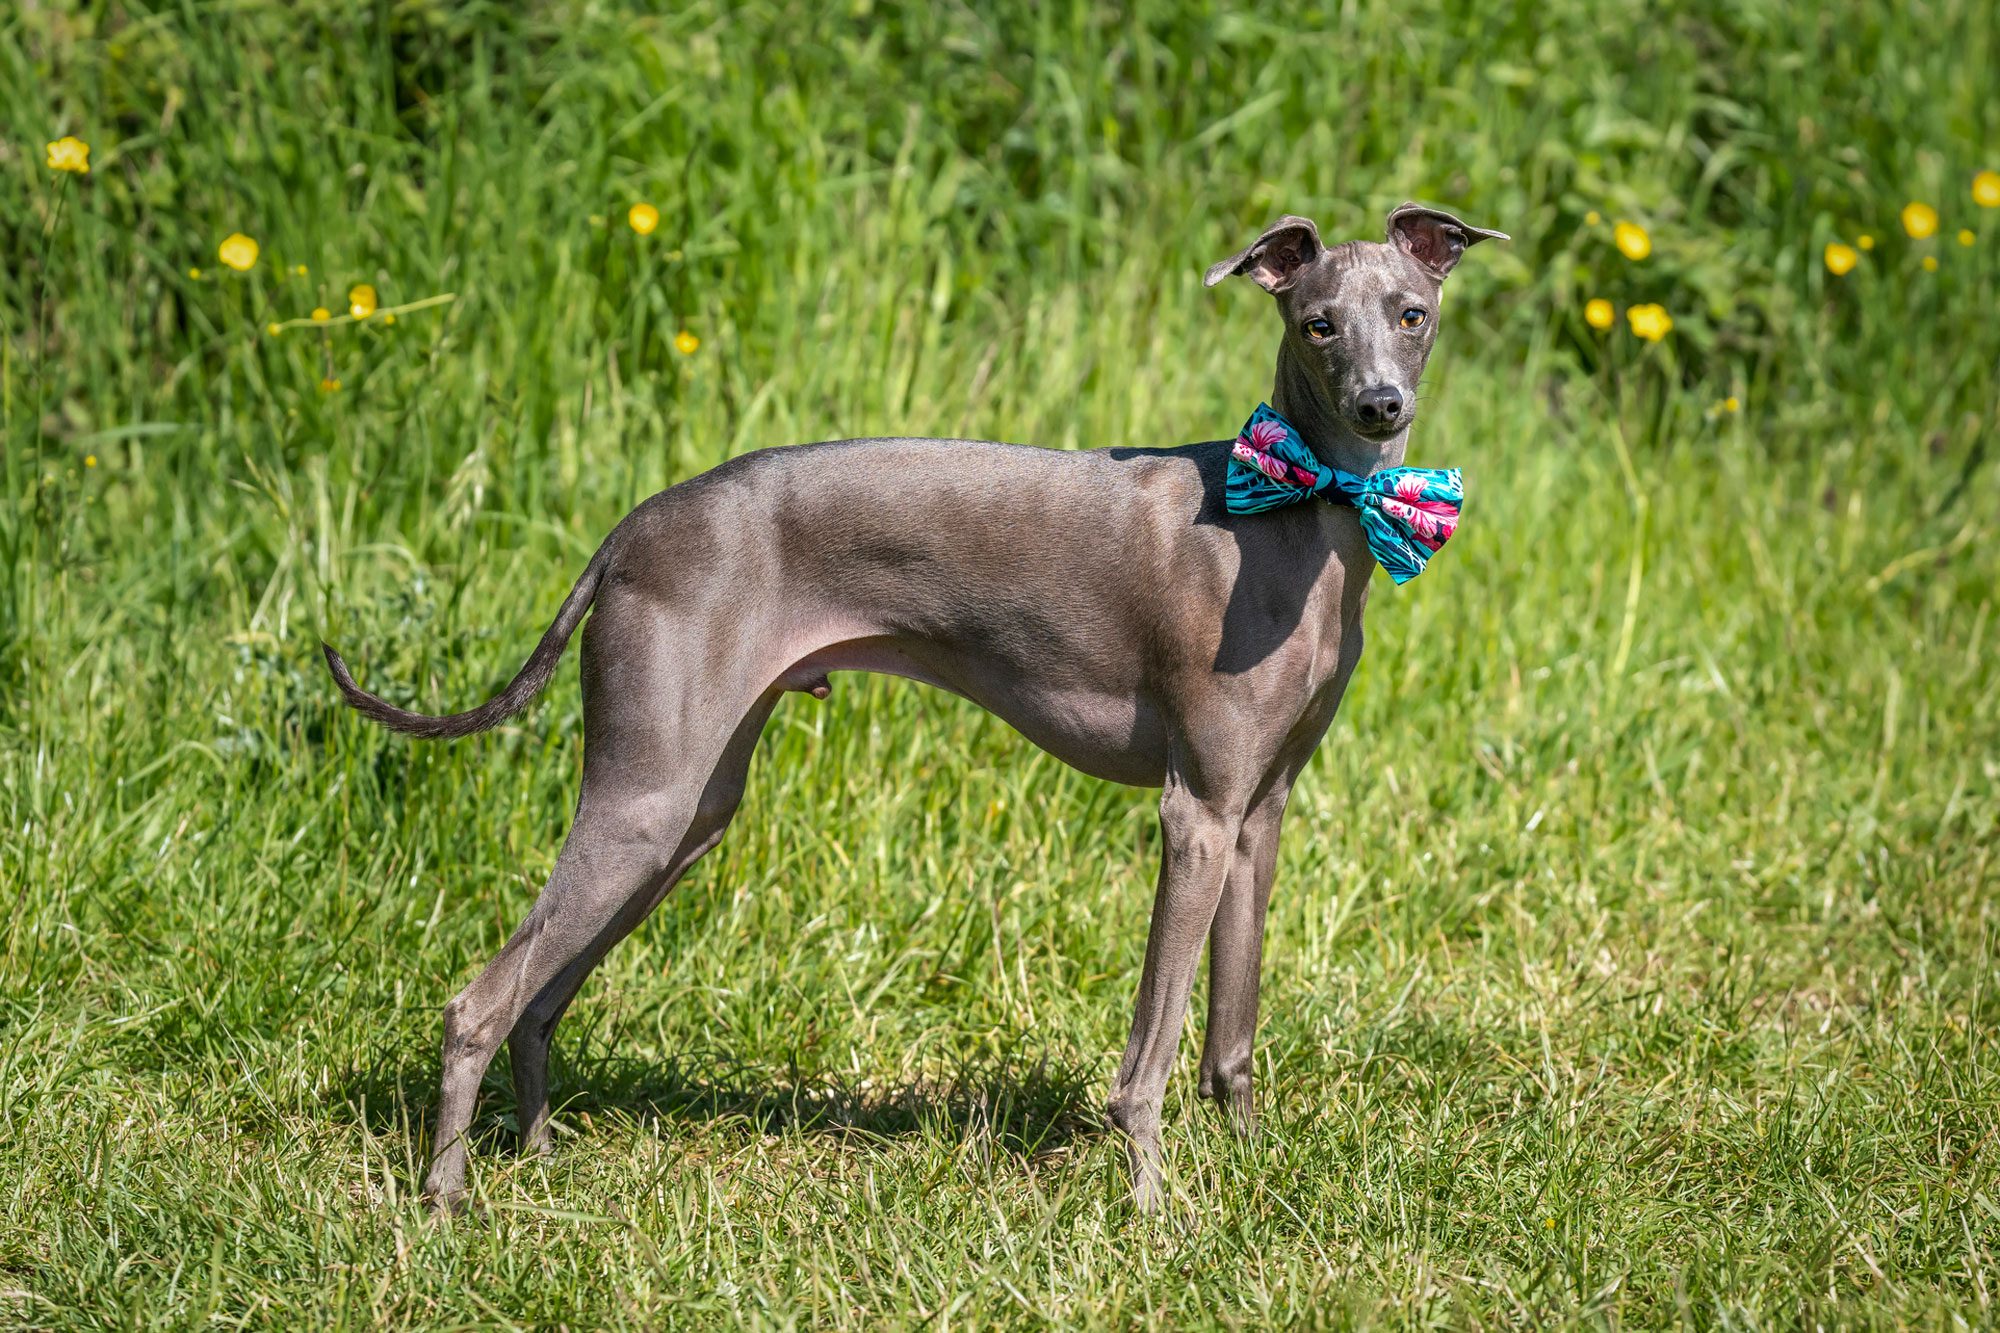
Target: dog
1110, 605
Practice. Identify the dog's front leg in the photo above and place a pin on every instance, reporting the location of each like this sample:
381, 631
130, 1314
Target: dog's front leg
1236, 959
1198, 837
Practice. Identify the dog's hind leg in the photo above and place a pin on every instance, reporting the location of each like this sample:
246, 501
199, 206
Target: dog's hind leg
528, 1043
608, 874
647, 766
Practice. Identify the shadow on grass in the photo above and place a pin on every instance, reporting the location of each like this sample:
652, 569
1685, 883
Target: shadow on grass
1024, 1105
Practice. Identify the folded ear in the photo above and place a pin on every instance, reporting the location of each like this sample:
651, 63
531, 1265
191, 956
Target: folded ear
1435, 238
1274, 259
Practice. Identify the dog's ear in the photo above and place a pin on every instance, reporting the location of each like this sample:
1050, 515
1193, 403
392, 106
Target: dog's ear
1273, 260
1435, 238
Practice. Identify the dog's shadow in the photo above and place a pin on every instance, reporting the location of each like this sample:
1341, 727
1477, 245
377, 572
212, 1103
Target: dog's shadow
1020, 1105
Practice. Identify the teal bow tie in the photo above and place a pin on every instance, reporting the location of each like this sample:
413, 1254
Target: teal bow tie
1407, 513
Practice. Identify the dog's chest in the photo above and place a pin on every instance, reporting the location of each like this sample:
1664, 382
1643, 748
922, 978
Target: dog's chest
1331, 633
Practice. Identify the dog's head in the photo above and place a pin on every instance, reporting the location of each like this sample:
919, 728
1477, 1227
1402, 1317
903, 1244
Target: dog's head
1360, 317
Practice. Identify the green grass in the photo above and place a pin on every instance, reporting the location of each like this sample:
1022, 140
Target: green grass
1633, 957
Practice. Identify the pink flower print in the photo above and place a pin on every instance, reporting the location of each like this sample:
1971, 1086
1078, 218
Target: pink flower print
1267, 435
1423, 525
1264, 463
1410, 486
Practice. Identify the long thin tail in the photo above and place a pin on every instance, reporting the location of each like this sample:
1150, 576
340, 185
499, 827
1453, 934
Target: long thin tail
541, 664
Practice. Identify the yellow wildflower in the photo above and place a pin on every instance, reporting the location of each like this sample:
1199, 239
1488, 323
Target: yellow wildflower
90, 460
389, 318
1986, 189
274, 329
1592, 218
329, 385
686, 343
1930, 263
195, 273
1965, 236
321, 314
1840, 259
1732, 404
238, 251
1920, 220
1599, 313
643, 217
70, 153
361, 300
1632, 241
1865, 241
299, 269
1651, 322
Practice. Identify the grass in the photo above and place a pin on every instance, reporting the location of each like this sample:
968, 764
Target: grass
1633, 955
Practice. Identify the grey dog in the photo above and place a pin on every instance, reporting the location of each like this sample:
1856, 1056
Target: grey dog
1104, 603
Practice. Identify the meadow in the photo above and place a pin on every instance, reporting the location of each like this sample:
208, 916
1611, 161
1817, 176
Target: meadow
1632, 958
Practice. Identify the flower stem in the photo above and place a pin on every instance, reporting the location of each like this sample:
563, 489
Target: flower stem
424, 304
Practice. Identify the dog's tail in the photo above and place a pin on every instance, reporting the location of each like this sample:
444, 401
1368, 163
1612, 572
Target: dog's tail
541, 664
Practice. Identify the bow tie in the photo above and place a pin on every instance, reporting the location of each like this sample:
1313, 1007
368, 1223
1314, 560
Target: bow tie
1407, 513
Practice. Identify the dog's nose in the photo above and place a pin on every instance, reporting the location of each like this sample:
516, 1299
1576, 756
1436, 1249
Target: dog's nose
1379, 406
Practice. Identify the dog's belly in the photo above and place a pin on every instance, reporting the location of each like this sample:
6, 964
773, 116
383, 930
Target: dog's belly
1118, 737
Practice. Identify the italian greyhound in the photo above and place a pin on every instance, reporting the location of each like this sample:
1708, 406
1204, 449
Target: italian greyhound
1107, 604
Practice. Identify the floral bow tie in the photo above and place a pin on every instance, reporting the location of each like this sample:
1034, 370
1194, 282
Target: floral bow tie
1407, 513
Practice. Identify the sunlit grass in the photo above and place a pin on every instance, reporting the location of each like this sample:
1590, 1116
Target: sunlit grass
1632, 959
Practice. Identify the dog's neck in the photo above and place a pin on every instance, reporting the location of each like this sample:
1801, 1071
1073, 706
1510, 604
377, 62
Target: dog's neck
1299, 399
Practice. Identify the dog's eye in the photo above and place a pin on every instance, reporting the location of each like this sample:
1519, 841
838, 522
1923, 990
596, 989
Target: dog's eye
1414, 318
1318, 330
